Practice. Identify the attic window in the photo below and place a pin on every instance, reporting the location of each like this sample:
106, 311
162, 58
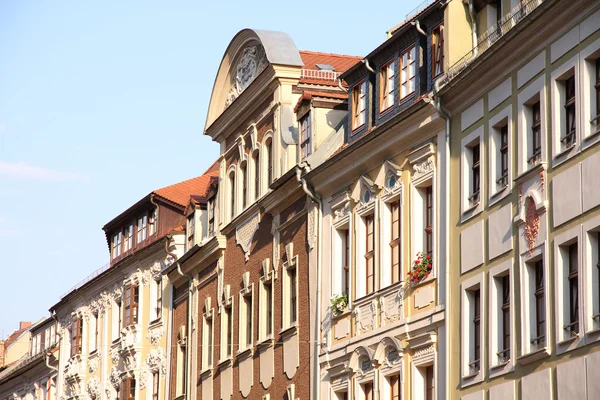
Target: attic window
325, 67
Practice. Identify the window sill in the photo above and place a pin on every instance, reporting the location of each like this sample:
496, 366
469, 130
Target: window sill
499, 366
93, 353
267, 342
157, 323
569, 340
471, 211
592, 135
289, 331
565, 154
222, 364
534, 356
355, 130
247, 352
336, 316
205, 373
499, 195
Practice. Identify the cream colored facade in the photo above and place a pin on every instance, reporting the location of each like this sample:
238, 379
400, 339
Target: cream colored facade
112, 351
523, 301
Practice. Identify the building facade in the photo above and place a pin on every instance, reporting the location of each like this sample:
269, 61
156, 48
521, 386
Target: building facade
523, 300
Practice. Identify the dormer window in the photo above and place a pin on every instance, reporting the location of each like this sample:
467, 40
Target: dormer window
117, 243
142, 228
437, 51
387, 82
152, 223
129, 237
407, 72
305, 136
359, 105
191, 229
211, 217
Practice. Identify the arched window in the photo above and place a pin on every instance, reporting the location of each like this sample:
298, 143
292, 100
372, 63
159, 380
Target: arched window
256, 161
269, 148
244, 173
232, 192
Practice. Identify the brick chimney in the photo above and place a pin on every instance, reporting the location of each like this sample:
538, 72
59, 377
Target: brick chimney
1, 353
24, 324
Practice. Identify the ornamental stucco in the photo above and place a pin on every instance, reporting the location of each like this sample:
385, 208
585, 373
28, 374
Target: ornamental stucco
245, 233
251, 63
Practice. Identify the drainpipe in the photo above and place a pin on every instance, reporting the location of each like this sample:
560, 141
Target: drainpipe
188, 391
473, 18
156, 219
48, 353
417, 25
437, 103
339, 81
366, 62
310, 191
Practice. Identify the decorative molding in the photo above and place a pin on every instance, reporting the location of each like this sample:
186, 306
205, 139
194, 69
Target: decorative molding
532, 223
244, 234
424, 352
93, 363
115, 349
391, 305
275, 233
154, 334
310, 227
93, 388
365, 316
250, 64
131, 361
423, 168
115, 377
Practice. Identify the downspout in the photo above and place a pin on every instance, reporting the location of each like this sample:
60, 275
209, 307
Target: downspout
473, 18
437, 103
48, 353
417, 25
366, 62
310, 191
156, 219
339, 81
188, 357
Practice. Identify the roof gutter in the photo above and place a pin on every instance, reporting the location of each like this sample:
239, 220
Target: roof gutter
417, 25
366, 62
339, 81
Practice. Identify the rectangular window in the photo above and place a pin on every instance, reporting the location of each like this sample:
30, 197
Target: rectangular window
368, 390
476, 175
152, 222
155, 382
504, 353
540, 305
269, 161
232, 193
211, 217
207, 340
395, 389
158, 305
395, 241
305, 136
476, 356
128, 388
429, 383
573, 326
244, 185
117, 244
437, 51
132, 298
76, 336
359, 105
256, 162
429, 220
293, 281
568, 139
96, 332
387, 82
503, 179
597, 90
128, 237
536, 134
191, 230
142, 228
407, 72
269, 309
346, 263
229, 315
248, 306
370, 253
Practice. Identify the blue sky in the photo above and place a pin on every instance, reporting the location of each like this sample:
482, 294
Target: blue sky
102, 102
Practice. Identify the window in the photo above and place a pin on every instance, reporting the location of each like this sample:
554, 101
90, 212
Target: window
232, 193
142, 228
95, 341
229, 313
152, 222
128, 237
568, 139
429, 220
244, 172
503, 178
117, 243
504, 353
475, 363
370, 253
475, 175
269, 161
437, 51
211, 217
293, 295
395, 241
207, 339
256, 162
267, 309
155, 377
387, 82
540, 305
180, 371
76, 335
359, 105
368, 390
248, 303
395, 389
595, 120
346, 263
245, 319
191, 229
128, 388
573, 290
305, 136
132, 298
158, 305
227, 331
407, 72
429, 383
536, 134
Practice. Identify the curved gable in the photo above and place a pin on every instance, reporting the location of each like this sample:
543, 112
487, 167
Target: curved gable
249, 53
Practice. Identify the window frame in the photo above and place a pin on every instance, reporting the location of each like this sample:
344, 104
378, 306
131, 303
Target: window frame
131, 304
396, 241
387, 89
142, 228
76, 336
437, 51
369, 255
128, 388
305, 125
411, 88
359, 96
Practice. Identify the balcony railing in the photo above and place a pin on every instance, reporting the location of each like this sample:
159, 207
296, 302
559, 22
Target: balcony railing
321, 74
491, 36
87, 279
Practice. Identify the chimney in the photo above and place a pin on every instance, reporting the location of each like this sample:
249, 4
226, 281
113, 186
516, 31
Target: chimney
1, 353
24, 324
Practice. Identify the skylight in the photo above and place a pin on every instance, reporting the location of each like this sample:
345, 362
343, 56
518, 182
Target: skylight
325, 67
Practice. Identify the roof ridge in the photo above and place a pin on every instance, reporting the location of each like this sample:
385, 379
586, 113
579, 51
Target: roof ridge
329, 54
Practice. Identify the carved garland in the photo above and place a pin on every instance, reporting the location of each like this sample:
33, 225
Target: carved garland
532, 223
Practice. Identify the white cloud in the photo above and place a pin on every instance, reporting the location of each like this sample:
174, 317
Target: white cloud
21, 170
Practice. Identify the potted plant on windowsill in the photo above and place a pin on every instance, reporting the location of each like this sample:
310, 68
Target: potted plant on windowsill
421, 268
339, 303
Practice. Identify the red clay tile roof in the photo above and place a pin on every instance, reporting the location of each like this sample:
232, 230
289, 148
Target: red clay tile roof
340, 63
180, 193
309, 94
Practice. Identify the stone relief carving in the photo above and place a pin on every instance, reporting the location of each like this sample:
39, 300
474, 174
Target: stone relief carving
93, 363
156, 361
365, 316
250, 64
532, 223
423, 168
244, 234
423, 352
115, 377
155, 334
93, 388
131, 361
341, 212
391, 305
114, 353
275, 233
311, 225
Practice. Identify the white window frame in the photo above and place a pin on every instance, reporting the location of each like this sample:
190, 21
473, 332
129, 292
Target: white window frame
529, 352
231, 214
207, 346
469, 207
245, 293
264, 160
267, 279
419, 367
564, 340
501, 119
496, 328
359, 118
117, 245
115, 314
590, 133
341, 220
155, 284
591, 287
408, 75
305, 124
142, 228
94, 324
385, 234
191, 223
128, 238
388, 85
528, 96
360, 268
286, 294
225, 325
255, 157
469, 377
558, 114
